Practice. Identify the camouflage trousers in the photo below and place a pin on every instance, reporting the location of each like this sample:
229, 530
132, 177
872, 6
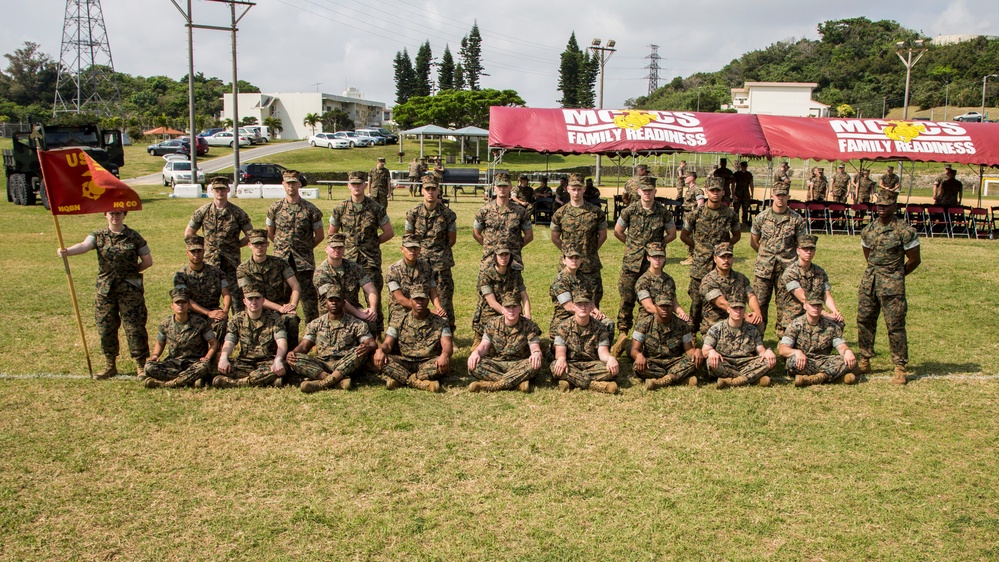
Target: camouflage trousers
124, 304
626, 288
445, 290
219, 327
313, 368
179, 371
308, 297
678, 367
696, 303
235, 291
508, 373
582, 373
750, 367
380, 195
259, 373
832, 366
766, 288
399, 369
869, 307
838, 195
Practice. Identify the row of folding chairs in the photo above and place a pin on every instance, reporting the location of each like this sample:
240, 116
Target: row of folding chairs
928, 220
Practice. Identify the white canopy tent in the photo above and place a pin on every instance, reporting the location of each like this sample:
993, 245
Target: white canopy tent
425, 131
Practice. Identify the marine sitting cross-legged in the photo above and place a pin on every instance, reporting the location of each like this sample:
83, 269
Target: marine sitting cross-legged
662, 347
734, 351
807, 346
192, 344
509, 355
417, 347
263, 343
582, 351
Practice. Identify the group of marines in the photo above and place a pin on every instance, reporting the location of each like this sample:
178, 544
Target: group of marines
220, 302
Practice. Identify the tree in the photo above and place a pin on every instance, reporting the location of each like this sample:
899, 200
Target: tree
454, 108
471, 57
336, 120
445, 72
30, 76
311, 120
577, 75
248, 120
405, 76
844, 110
589, 70
459, 77
421, 70
274, 124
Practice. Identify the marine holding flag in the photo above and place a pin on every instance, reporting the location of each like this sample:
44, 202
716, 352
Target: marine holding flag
77, 185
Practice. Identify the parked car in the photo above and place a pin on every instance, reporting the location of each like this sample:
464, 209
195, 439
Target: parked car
254, 136
970, 117
376, 139
226, 138
255, 172
171, 146
354, 139
378, 134
328, 140
201, 143
210, 132
179, 171
260, 131
391, 138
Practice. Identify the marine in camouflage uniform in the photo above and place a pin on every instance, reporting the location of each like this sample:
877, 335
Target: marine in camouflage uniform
493, 283
523, 194
663, 348
417, 348
502, 220
379, 181
743, 195
710, 224
509, 355
206, 286
891, 247
807, 346
950, 192
693, 198
818, 186
223, 225
360, 218
729, 285
437, 227
275, 280
634, 184
863, 187
639, 224
583, 225
416, 171
582, 351
342, 342
782, 177
774, 235
191, 342
296, 227
567, 283
262, 341
840, 185
811, 279
743, 359
403, 276
352, 278
890, 181
653, 283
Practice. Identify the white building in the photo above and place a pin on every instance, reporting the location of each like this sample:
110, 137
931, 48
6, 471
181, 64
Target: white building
291, 109
777, 98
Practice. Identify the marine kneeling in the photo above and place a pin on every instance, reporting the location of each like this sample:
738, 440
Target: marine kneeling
263, 343
343, 343
582, 350
807, 346
192, 344
417, 347
509, 355
662, 348
734, 351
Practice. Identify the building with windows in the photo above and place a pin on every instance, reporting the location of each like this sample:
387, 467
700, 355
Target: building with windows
291, 109
777, 98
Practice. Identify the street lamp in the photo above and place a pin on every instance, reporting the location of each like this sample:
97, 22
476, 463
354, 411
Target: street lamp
903, 47
603, 54
985, 79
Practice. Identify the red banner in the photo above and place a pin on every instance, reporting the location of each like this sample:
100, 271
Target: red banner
608, 131
77, 185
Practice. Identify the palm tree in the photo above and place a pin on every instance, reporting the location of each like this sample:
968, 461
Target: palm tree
311, 120
227, 123
274, 124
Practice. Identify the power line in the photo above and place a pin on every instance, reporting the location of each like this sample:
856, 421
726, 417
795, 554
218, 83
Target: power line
653, 68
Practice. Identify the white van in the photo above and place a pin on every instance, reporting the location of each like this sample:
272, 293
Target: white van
262, 132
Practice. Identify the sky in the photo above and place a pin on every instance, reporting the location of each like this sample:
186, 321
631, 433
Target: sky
329, 45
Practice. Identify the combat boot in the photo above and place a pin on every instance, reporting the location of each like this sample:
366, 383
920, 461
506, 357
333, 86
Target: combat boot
524, 386
480, 386
429, 386
737, 381
864, 365
140, 368
564, 386
392, 384
110, 368
345, 383
900, 375
618, 346
226, 382
653, 384
849, 378
605, 387
808, 380
692, 380
278, 382
153, 383
764, 381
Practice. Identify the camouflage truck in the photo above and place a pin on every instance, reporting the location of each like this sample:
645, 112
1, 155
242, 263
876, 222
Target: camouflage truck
20, 163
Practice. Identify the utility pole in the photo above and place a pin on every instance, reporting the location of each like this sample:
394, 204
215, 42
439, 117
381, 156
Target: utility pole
603, 54
985, 80
653, 68
904, 47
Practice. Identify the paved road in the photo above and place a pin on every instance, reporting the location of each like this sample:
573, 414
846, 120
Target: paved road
219, 164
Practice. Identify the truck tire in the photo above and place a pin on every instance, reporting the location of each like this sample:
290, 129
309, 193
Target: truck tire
30, 197
18, 185
44, 197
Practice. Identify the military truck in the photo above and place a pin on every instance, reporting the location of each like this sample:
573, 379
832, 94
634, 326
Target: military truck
20, 163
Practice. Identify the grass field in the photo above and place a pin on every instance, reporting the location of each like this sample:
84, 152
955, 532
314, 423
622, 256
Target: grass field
112, 471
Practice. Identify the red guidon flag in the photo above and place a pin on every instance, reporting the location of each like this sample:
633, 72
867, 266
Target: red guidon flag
77, 185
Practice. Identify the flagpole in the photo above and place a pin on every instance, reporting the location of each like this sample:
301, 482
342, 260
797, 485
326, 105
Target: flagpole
72, 294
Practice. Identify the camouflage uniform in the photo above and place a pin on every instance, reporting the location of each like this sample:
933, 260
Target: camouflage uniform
501, 223
865, 189
270, 278
743, 184
649, 286
403, 277
840, 185
222, 230
580, 227
707, 227
509, 359
419, 344
882, 288
295, 225
817, 343
819, 187
950, 189
360, 223
663, 348
205, 288
778, 233
493, 282
735, 288
641, 226
434, 227
526, 194
561, 291
258, 346
891, 182
814, 281
633, 186
120, 296
782, 178
728, 181
188, 344
582, 355
737, 347
336, 344
378, 184
351, 278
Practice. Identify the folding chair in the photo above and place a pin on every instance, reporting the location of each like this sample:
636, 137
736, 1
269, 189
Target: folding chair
618, 205
995, 220
937, 222
960, 222
838, 221
818, 213
755, 205
981, 224
915, 215
860, 216
543, 210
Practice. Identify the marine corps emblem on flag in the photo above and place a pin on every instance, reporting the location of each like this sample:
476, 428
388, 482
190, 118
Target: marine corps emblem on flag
904, 131
77, 185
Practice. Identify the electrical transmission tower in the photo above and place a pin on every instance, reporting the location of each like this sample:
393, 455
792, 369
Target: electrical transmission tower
653, 68
86, 72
